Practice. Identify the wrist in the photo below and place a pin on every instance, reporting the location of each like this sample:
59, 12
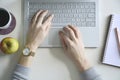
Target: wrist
83, 65
26, 61
31, 47
27, 56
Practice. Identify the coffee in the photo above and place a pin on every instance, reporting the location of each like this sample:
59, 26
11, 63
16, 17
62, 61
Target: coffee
4, 17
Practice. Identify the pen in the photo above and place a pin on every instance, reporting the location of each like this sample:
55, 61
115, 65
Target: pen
118, 37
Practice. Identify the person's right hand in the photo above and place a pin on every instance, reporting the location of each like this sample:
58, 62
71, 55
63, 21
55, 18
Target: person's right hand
73, 46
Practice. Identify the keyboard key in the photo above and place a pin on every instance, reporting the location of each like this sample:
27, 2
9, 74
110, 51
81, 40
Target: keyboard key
81, 14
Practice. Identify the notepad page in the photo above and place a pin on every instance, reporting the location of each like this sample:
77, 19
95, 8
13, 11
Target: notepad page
111, 53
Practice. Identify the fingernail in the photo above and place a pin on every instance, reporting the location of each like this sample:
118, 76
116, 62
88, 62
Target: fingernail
40, 10
63, 27
69, 25
46, 10
59, 32
52, 15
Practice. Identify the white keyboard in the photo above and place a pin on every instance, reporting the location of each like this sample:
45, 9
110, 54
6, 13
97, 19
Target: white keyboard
81, 14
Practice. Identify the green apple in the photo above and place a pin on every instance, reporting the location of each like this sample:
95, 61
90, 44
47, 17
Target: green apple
9, 45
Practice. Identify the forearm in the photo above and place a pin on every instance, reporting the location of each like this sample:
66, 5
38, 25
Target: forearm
26, 60
22, 69
88, 72
38, 30
83, 64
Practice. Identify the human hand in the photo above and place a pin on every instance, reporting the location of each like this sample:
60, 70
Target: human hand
39, 28
73, 46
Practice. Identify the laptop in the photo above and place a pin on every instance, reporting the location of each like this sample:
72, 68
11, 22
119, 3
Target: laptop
80, 13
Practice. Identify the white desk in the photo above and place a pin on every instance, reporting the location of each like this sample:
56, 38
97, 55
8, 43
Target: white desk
52, 64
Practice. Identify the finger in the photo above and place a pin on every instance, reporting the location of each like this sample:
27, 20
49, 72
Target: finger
47, 21
48, 27
62, 40
33, 21
70, 32
41, 17
75, 30
46, 31
34, 18
66, 38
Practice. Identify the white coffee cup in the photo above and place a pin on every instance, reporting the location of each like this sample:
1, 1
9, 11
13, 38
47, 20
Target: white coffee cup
5, 18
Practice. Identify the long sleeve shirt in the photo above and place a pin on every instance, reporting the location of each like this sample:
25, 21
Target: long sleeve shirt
21, 73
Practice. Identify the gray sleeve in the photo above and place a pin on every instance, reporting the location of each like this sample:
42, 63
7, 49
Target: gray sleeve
21, 73
91, 74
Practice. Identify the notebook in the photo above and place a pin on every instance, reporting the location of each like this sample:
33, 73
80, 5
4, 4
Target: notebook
111, 53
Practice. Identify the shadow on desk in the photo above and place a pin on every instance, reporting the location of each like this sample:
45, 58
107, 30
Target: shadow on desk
108, 20
59, 54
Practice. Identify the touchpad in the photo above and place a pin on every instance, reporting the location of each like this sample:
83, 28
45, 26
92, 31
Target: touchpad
53, 37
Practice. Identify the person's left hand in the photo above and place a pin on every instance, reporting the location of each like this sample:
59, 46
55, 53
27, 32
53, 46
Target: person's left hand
38, 29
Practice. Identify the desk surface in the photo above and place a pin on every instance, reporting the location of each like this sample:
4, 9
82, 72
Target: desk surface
53, 64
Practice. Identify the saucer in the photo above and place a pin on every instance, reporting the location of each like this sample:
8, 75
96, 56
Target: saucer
10, 28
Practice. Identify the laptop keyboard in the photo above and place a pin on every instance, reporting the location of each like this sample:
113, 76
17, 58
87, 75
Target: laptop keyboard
81, 14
